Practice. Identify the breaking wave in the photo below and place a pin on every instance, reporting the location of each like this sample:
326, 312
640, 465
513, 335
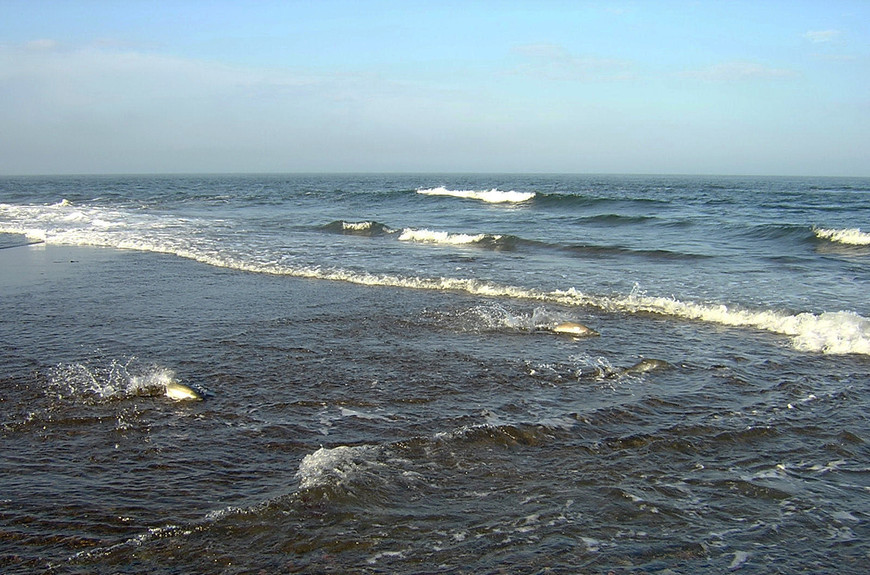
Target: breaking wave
852, 236
493, 196
365, 228
491, 241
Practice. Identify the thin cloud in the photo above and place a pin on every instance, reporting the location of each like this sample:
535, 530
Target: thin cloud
821, 36
738, 72
835, 57
41, 44
553, 62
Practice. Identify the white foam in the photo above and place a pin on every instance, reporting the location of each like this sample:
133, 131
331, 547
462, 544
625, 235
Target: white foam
357, 226
365, 226
346, 412
841, 332
386, 554
852, 236
336, 465
493, 196
435, 237
219, 514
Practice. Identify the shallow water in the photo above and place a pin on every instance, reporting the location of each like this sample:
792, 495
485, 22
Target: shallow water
380, 428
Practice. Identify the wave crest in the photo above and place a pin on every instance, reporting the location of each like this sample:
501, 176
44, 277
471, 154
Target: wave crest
492, 241
851, 236
364, 228
493, 196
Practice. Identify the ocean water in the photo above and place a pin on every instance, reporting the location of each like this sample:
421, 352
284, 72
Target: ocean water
385, 389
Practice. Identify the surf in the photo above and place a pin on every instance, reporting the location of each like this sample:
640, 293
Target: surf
850, 236
240, 245
488, 241
492, 196
835, 333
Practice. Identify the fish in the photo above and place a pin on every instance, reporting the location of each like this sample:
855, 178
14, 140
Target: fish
573, 328
645, 365
179, 391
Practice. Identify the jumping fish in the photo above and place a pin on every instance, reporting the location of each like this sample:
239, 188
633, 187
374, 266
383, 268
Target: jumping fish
573, 328
179, 391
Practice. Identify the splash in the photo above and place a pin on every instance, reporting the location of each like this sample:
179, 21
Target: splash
335, 466
96, 383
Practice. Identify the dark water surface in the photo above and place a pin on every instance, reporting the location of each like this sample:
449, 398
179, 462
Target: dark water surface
360, 429
359, 418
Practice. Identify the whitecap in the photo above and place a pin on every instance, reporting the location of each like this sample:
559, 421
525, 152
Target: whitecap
851, 236
436, 237
493, 196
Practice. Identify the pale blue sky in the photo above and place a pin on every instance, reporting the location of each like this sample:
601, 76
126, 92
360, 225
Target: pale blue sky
779, 88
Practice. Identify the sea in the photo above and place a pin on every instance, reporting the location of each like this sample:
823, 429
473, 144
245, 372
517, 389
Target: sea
434, 373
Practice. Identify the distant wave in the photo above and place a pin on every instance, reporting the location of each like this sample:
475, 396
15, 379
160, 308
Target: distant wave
365, 228
491, 241
600, 251
493, 196
617, 219
583, 200
851, 237
793, 233
841, 188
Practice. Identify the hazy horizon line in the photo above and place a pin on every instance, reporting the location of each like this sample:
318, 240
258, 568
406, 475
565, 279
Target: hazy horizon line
419, 173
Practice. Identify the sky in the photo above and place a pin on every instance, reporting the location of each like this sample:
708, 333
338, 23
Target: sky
646, 87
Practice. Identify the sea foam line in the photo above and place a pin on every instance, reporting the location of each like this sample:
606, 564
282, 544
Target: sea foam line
836, 333
493, 196
842, 332
852, 236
